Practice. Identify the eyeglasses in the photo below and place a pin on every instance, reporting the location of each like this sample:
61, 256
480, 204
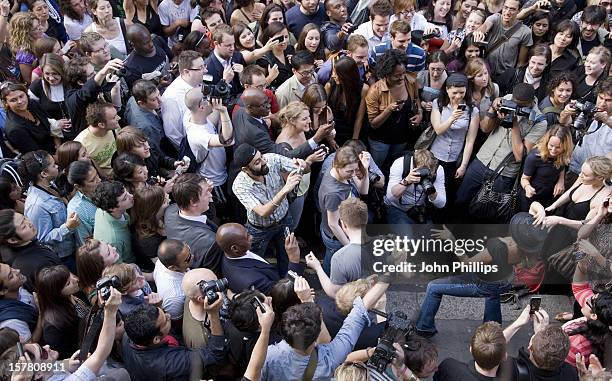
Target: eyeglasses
436, 69
106, 46
407, 12
201, 68
306, 73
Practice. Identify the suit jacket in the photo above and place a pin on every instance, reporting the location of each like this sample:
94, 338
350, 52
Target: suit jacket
242, 273
200, 238
215, 68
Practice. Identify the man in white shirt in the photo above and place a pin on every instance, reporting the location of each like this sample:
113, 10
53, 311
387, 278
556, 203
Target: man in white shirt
207, 142
174, 258
174, 16
191, 68
376, 31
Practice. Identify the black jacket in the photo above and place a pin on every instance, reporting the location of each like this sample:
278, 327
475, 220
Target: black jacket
32, 258
564, 373
242, 273
26, 136
77, 100
165, 363
511, 77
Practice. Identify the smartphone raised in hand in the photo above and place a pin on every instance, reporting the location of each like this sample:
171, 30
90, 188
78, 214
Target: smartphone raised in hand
256, 303
534, 304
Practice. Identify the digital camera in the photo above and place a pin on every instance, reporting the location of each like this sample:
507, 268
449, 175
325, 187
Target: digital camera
210, 288
511, 109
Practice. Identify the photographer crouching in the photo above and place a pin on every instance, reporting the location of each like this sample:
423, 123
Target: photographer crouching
415, 180
515, 124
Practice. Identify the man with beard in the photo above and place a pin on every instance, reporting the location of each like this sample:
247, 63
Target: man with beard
262, 191
592, 33
18, 309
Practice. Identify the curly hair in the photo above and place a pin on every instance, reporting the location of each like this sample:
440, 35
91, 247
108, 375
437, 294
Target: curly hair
288, 113
388, 61
22, 23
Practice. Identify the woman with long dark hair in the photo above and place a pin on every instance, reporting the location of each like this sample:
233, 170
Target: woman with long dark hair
111, 28
83, 177
467, 51
564, 40
51, 26
315, 98
456, 122
46, 209
311, 41
438, 14
247, 12
27, 126
393, 108
431, 80
536, 73
346, 95
272, 13
76, 17
131, 171
60, 310
147, 219
280, 53
247, 44
540, 27
543, 172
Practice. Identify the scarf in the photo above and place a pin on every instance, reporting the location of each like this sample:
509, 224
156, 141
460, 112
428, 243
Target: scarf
535, 82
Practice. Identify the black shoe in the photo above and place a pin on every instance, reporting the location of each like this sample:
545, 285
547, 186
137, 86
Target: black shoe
426, 334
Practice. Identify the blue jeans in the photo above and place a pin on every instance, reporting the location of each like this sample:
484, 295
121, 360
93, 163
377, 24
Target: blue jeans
331, 246
295, 210
467, 285
275, 235
473, 179
382, 152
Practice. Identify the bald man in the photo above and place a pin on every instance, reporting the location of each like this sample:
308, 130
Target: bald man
150, 54
195, 333
245, 269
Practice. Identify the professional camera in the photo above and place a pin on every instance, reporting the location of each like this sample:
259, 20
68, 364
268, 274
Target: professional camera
435, 34
397, 326
587, 110
510, 109
103, 285
426, 180
210, 288
219, 90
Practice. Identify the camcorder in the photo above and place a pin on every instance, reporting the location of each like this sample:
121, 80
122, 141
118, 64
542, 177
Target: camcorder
210, 288
511, 109
587, 111
220, 90
398, 328
103, 286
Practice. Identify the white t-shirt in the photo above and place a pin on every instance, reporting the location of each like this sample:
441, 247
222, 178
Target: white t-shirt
169, 12
198, 135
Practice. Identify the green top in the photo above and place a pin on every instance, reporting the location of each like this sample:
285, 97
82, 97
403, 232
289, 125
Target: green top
115, 232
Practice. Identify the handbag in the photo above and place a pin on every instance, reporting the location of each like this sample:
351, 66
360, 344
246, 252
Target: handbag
495, 206
426, 138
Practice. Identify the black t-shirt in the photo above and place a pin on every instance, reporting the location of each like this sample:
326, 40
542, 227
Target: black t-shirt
454, 370
588, 45
137, 65
499, 253
32, 258
543, 174
564, 373
145, 249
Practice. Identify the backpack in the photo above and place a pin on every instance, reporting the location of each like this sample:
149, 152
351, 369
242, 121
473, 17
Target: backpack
185, 151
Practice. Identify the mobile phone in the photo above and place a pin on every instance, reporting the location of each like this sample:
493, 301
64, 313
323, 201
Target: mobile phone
606, 203
462, 106
280, 39
287, 232
20, 351
352, 29
324, 148
534, 304
256, 303
400, 102
292, 275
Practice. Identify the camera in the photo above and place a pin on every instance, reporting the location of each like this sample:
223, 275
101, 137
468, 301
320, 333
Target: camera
511, 109
210, 288
587, 110
219, 90
397, 326
103, 286
373, 177
426, 180
429, 36
352, 29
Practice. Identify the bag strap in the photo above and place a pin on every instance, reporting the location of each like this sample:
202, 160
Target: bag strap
501, 167
406, 168
312, 366
505, 37
128, 46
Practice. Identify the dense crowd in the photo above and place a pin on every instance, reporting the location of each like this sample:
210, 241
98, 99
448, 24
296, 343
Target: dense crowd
172, 173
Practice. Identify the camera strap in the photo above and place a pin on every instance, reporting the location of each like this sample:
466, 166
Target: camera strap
92, 330
312, 366
504, 38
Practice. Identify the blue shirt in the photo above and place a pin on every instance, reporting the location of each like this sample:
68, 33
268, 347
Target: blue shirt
48, 213
296, 20
416, 55
596, 142
284, 363
86, 211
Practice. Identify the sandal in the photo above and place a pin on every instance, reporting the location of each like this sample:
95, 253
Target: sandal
564, 317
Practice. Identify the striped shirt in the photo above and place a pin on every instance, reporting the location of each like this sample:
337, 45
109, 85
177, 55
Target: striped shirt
416, 55
253, 193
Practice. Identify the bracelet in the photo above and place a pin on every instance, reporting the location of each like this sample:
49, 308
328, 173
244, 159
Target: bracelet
275, 204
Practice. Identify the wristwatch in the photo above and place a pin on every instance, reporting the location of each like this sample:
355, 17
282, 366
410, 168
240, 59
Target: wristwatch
404, 182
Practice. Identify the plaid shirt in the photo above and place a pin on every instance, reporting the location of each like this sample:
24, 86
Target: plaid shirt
579, 343
252, 193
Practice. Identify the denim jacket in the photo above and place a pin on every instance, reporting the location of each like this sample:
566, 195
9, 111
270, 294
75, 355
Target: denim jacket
48, 213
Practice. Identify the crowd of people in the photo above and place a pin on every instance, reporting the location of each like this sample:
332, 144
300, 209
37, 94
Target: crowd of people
172, 172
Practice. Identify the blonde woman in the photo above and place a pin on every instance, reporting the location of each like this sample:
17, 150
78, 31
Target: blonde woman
543, 173
24, 30
111, 28
295, 122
